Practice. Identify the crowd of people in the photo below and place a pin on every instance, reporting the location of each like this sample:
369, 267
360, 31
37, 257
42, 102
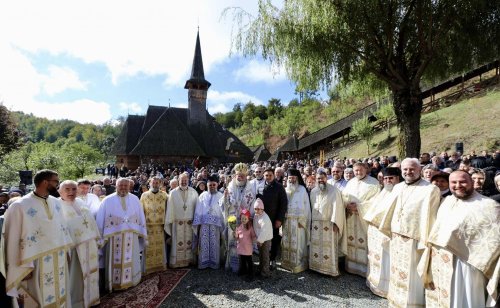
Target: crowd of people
422, 231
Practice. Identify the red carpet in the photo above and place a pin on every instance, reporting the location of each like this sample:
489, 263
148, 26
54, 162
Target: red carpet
151, 292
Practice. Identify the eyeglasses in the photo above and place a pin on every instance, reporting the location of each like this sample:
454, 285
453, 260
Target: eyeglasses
259, 209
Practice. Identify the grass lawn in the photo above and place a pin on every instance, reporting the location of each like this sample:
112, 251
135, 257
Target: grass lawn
475, 122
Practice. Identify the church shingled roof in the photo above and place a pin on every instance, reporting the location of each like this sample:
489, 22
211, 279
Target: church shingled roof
129, 135
167, 136
163, 131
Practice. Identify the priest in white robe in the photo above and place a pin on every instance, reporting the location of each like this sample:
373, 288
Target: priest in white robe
328, 221
357, 195
208, 225
379, 243
181, 205
297, 225
239, 195
461, 267
411, 210
35, 244
91, 201
84, 262
259, 181
122, 224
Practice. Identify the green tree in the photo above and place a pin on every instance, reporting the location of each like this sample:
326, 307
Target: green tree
45, 155
385, 114
400, 43
79, 160
261, 112
238, 115
274, 107
248, 113
9, 134
364, 130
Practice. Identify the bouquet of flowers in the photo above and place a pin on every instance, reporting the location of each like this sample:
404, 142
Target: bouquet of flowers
231, 220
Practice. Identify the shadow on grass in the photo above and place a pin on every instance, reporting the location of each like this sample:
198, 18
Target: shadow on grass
387, 142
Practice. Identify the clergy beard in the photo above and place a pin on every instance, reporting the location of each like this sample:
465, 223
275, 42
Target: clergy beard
155, 190
259, 178
463, 194
240, 183
291, 187
322, 186
388, 187
122, 194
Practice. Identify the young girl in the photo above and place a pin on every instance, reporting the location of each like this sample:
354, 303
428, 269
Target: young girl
245, 236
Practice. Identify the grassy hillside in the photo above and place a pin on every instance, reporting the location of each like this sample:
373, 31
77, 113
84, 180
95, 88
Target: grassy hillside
475, 122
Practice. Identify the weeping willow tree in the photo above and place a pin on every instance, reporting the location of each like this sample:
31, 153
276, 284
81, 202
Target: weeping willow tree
400, 43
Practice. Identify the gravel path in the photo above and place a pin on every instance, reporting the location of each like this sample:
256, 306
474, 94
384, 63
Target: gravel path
219, 288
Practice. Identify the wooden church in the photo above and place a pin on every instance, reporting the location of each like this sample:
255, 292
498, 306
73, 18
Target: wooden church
174, 135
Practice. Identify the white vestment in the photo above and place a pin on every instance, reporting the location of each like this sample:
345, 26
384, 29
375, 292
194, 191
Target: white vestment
410, 214
378, 247
122, 225
178, 224
258, 185
464, 257
240, 197
355, 235
296, 231
92, 202
327, 210
84, 264
37, 241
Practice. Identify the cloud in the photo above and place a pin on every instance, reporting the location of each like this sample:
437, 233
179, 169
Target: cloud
130, 107
256, 71
20, 83
127, 36
82, 111
224, 101
60, 79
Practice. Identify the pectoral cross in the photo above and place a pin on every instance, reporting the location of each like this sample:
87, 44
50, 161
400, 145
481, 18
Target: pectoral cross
85, 222
184, 198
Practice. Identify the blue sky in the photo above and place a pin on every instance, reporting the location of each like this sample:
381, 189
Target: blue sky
93, 61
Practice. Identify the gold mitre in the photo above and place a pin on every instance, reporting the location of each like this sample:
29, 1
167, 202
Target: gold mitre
241, 168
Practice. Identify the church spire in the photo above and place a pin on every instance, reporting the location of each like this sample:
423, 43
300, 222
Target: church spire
197, 89
197, 80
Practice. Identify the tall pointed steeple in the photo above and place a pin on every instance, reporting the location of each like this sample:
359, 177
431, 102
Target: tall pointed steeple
197, 79
197, 88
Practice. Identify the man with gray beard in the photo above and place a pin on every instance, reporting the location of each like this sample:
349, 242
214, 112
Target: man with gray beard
337, 179
238, 195
181, 204
378, 243
357, 196
154, 204
410, 213
328, 221
296, 228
